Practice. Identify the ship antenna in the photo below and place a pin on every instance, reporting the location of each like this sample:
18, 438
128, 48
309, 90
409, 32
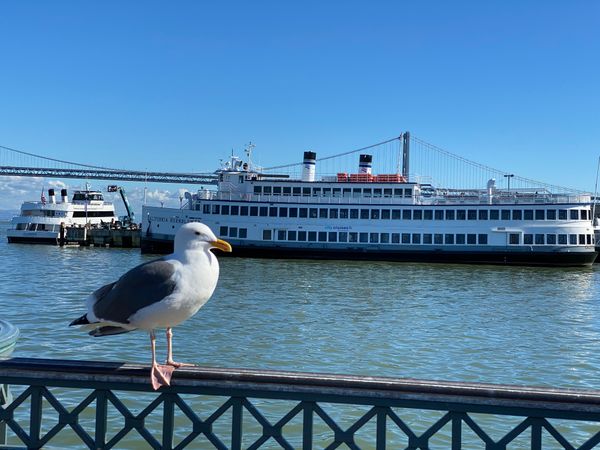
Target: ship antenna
248, 151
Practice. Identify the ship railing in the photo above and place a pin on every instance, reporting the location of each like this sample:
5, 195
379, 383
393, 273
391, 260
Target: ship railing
83, 404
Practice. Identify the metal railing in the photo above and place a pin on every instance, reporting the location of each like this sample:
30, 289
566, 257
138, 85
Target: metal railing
237, 408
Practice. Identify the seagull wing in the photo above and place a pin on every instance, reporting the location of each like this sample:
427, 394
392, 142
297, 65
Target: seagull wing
142, 286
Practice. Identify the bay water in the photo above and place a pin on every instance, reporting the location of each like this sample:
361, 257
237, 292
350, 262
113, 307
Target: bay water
493, 324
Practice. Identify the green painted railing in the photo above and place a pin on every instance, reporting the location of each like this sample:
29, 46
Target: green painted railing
110, 405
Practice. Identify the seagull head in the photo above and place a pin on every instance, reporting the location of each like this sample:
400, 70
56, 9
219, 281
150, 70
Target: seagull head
197, 236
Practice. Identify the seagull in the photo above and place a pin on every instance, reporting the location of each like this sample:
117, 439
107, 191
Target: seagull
159, 294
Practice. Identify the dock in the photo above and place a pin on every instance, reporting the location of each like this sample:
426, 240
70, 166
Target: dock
119, 237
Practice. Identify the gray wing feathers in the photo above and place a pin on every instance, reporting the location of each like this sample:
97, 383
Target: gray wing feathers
140, 287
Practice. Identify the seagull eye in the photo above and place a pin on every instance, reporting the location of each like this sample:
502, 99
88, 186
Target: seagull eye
197, 233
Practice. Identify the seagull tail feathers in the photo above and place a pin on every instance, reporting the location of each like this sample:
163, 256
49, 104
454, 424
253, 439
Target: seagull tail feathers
83, 320
109, 330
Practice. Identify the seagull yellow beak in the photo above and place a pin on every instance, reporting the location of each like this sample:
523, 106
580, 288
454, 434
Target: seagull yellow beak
222, 245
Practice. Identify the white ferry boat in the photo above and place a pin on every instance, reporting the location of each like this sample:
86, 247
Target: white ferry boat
380, 217
40, 221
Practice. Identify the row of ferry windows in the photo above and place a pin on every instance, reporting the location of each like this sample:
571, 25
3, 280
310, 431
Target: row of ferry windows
397, 214
333, 192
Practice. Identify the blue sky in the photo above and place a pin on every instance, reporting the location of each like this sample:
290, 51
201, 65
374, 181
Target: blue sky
176, 85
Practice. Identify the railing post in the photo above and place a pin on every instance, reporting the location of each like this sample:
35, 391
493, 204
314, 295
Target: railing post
456, 431
381, 427
35, 417
236, 423
168, 421
307, 425
101, 418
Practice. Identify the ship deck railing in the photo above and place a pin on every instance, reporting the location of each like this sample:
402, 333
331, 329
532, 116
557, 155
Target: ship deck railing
101, 405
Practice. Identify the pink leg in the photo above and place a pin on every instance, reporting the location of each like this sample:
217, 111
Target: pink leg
159, 375
170, 361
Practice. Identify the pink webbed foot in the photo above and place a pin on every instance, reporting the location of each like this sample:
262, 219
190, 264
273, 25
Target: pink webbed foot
161, 375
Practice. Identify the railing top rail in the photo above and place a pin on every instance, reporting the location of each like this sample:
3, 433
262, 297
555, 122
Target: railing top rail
281, 384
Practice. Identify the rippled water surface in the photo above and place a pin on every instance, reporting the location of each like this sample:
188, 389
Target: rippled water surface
515, 325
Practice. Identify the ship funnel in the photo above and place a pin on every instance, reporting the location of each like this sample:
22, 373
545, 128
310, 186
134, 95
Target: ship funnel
365, 163
51, 196
309, 166
64, 196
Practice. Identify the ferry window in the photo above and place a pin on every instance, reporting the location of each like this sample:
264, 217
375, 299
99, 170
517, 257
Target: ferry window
225, 210
528, 214
216, 209
364, 213
416, 238
460, 238
267, 190
517, 214
337, 192
254, 211
277, 190
438, 238
461, 214
287, 190
206, 209
302, 212
387, 192
332, 236
312, 212
266, 235
283, 212
243, 210
312, 236
573, 239
233, 232
223, 231
588, 239
472, 214
333, 213
406, 214
281, 235
449, 214
528, 239
483, 214
395, 214
385, 238
540, 214
406, 238
352, 237
343, 213
505, 214
417, 214
582, 239
562, 239
428, 214
408, 193
449, 239
326, 192
323, 213
316, 192
296, 191
374, 214
494, 214
427, 238
322, 236
363, 237
273, 211
539, 239
551, 239
377, 192
385, 214
356, 192
584, 214
291, 235
343, 236
395, 238
235, 209
551, 214
366, 192
374, 238
482, 239
306, 192
264, 211
513, 238
302, 235
398, 192
574, 214
354, 213
562, 214
439, 214
347, 192
243, 233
